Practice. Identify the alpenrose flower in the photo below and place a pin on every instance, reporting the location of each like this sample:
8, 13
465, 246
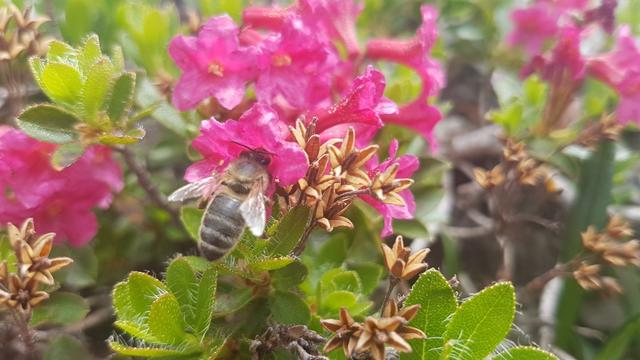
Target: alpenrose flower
59, 201
258, 128
391, 180
213, 65
620, 69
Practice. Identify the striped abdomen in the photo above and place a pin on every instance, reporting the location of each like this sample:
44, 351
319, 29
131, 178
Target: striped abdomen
221, 227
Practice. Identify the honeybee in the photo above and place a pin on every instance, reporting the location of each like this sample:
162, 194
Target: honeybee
236, 199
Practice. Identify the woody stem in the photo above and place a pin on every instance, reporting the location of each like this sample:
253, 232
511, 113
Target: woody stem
144, 179
22, 323
303, 239
393, 282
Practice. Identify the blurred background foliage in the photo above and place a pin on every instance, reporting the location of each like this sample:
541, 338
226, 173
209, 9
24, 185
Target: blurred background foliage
483, 91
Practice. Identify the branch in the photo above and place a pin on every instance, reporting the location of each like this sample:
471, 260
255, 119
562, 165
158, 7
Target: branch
144, 179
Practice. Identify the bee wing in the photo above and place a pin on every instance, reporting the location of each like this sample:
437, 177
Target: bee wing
198, 189
253, 210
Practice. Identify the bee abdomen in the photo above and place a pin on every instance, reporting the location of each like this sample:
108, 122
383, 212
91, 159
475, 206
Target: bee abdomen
222, 225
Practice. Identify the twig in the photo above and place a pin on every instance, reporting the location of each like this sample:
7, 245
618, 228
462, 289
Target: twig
144, 179
393, 282
303, 240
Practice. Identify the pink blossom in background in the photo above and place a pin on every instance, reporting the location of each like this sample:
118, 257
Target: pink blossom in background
336, 19
297, 65
213, 65
620, 69
565, 63
258, 128
407, 165
59, 201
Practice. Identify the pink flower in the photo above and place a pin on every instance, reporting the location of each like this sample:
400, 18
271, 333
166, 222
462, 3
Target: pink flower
258, 128
620, 69
212, 64
407, 165
414, 52
360, 108
59, 201
533, 26
418, 115
566, 63
336, 19
297, 65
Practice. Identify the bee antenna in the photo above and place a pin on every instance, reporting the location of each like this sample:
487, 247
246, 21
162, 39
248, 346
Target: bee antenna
262, 151
243, 145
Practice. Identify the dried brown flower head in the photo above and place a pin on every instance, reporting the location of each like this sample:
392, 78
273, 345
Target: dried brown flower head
407, 313
514, 151
22, 294
346, 332
618, 228
19, 33
588, 276
328, 212
347, 162
378, 333
489, 179
399, 261
385, 187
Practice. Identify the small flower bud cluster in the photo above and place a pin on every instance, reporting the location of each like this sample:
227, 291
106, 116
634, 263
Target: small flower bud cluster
608, 128
371, 336
516, 167
400, 263
20, 282
19, 33
610, 247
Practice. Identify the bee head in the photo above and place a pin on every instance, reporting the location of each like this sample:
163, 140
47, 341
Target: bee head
261, 157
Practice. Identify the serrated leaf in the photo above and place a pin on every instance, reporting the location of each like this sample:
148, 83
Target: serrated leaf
61, 308
191, 219
437, 303
66, 155
138, 330
268, 264
524, 353
61, 83
288, 308
37, 66
181, 280
90, 52
143, 290
121, 96
58, 49
166, 321
48, 123
205, 302
96, 88
122, 302
289, 231
481, 322
65, 347
151, 352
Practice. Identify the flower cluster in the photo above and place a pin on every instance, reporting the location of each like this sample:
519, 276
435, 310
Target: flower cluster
340, 172
59, 200
292, 58
552, 32
516, 167
608, 247
19, 282
400, 263
374, 334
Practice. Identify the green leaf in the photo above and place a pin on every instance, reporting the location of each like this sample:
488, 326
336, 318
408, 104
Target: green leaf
232, 301
61, 308
83, 272
143, 291
590, 208
410, 229
117, 137
151, 352
524, 353
339, 299
66, 154
191, 219
369, 273
481, 322
89, 52
138, 329
96, 88
61, 83
66, 347
437, 303
267, 264
334, 250
288, 308
122, 302
181, 280
148, 95
289, 276
618, 345
58, 49
121, 96
205, 302
166, 321
48, 123
289, 231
